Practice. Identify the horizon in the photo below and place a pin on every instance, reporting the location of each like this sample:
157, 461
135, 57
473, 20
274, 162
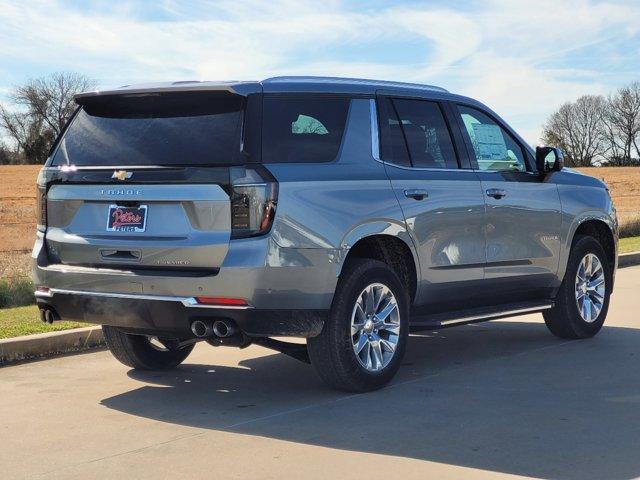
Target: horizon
493, 51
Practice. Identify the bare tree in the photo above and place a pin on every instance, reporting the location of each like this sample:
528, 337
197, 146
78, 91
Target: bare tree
622, 125
41, 108
578, 129
50, 99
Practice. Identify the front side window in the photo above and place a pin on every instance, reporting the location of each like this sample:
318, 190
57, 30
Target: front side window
302, 128
495, 149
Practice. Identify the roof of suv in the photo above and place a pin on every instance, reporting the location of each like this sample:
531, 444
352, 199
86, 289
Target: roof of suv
274, 85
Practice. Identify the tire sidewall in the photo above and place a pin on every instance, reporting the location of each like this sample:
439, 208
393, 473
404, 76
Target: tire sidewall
364, 274
582, 247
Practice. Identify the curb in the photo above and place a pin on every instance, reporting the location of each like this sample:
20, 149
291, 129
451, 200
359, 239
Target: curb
628, 259
48, 344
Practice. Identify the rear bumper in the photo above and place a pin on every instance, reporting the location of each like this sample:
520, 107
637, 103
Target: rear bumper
289, 291
172, 316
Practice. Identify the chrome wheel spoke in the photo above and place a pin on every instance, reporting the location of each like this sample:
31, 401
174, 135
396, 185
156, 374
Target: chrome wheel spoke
586, 309
386, 311
362, 342
357, 327
368, 362
391, 327
369, 301
377, 355
387, 345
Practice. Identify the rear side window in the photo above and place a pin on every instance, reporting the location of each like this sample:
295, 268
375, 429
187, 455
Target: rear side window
302, 128
426, 133
158, 129
417, 133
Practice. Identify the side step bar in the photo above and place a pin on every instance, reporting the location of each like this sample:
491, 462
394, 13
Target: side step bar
461, 317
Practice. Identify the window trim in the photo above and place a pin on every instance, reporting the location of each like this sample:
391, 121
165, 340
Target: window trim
467, 139
377, 144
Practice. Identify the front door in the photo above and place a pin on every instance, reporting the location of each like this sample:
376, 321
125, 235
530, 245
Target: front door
523, 212
442, 203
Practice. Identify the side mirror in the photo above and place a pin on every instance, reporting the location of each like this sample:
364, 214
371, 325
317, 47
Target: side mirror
549, 159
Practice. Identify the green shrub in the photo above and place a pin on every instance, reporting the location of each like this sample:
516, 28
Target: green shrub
16, 292
630, 228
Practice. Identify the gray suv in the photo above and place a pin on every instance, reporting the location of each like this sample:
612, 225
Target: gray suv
346, 212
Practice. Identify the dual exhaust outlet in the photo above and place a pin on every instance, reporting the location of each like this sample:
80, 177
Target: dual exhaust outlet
49, 315
207, 328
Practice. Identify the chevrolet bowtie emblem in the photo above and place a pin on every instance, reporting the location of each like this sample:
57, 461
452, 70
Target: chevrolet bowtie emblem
121, 175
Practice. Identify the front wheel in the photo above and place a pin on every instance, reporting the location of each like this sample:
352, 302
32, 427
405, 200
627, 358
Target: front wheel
142, 352
583, 299
363, 341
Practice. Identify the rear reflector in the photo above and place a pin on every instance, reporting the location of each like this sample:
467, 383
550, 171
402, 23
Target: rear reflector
222, 301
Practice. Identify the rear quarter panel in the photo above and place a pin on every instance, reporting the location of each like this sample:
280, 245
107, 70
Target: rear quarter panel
330, 206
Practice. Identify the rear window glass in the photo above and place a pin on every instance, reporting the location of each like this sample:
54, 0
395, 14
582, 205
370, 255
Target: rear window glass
200, 128
302, 128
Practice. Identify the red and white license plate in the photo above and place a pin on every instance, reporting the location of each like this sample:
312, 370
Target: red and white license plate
127, 219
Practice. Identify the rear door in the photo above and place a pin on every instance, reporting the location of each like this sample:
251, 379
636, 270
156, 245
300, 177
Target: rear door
523, 212
442, 202
143, 181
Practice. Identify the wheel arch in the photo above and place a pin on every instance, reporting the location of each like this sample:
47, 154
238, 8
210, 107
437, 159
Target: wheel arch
604, 231
391, 245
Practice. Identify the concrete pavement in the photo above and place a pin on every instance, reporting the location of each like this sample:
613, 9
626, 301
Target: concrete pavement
484, 401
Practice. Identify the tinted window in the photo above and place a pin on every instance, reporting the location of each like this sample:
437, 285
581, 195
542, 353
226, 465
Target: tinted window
393, 146
302, 128
426, 133
162, 129
495, 149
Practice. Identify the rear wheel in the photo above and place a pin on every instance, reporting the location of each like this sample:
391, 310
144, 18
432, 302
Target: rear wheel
583, 299
143, 352
363, 340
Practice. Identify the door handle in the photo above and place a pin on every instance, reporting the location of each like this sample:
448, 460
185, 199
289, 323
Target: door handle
416, 194
496, 193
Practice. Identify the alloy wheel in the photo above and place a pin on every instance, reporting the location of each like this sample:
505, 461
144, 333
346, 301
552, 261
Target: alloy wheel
590, 288
375, 327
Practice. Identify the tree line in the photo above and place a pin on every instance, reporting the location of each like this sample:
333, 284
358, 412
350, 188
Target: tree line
36, 114
597, 129
593, 130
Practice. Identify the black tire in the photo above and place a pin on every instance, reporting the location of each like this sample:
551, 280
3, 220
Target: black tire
332, 353
137, 352
564, 320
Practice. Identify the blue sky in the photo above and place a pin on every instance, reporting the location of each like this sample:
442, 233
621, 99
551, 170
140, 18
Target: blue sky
523, 58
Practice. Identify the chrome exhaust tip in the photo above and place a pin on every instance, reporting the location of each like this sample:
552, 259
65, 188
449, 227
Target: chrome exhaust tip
201, 328
223, 329
48, 315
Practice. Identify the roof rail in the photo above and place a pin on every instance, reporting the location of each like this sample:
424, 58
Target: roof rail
357, 81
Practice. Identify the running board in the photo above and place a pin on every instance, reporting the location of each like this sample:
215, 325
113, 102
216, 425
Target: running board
461, 317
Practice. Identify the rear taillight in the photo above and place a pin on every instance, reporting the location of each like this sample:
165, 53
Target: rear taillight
254, 196
41, 202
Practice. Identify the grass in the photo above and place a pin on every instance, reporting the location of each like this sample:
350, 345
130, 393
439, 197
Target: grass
16, 292
18, 321
630, 227
630, 244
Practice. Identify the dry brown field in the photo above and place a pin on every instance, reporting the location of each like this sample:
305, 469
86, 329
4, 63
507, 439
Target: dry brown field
17, 217
18, 195
624, 183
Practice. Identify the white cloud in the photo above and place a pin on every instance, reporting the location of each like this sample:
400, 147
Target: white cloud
515, 56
